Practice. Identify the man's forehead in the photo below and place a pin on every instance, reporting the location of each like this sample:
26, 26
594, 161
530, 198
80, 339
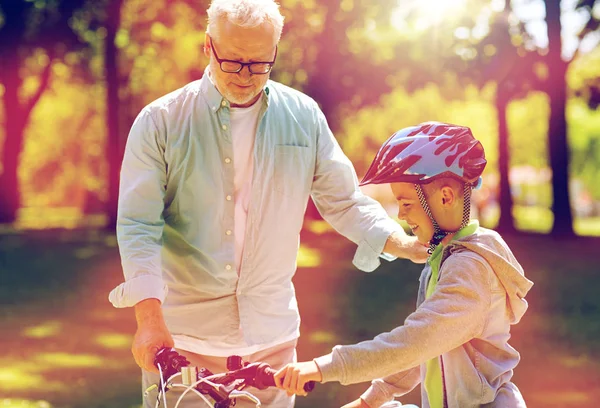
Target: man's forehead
245, 43
261, 35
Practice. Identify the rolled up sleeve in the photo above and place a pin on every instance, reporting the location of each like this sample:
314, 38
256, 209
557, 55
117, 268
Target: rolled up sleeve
383, 390
140, 215
338, 198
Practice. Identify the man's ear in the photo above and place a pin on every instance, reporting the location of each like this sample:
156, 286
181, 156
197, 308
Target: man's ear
448, 196
207, 45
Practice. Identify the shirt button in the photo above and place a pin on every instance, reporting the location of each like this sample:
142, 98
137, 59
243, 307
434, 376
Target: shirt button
228, 267
228, 232
224, 103
224, 127
227, 160
228, 198
214, 108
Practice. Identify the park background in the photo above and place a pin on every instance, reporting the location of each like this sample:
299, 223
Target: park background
524, 75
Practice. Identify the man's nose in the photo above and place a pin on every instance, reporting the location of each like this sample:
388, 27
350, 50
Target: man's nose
245, 72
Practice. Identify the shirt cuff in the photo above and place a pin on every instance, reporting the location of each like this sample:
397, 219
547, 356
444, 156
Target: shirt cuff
370, 249
134, 290
375, 397
327, 368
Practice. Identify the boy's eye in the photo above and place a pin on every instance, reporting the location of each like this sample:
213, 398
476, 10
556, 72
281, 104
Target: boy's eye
406, 205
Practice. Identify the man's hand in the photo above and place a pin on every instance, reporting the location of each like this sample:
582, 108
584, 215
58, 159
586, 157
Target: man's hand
293, 376
151, 335
404, 246
359, 403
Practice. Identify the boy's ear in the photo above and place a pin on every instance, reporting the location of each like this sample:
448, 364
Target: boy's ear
448, 196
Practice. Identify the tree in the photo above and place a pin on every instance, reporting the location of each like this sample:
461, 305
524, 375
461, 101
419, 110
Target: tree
557, 90
113, 146
511, 66
28, 26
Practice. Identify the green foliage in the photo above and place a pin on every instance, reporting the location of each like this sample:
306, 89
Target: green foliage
63, 174
161, 47
528, 129
363, 132
584, 122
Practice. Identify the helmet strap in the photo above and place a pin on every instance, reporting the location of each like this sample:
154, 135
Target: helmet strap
438, 233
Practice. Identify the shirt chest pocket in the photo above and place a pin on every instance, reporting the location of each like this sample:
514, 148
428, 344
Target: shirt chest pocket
293, 170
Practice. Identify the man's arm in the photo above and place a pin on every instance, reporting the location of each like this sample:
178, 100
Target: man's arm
361, 219
401, 245
139, 234
151, 335
140, 215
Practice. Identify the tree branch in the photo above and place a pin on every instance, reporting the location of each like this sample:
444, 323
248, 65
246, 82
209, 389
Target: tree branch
40, 91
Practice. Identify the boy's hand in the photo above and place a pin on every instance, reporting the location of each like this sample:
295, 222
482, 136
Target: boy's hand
359, 403
293, 376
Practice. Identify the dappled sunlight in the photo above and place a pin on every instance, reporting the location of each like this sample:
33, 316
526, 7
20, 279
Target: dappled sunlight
16, 377
114, 341
308, 257
575, 361
21, 403
35, 218
322, 337
318, 226
66, 360
587, 226
47, 329
535, 219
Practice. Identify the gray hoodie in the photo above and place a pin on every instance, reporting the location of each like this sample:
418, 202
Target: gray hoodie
466, 321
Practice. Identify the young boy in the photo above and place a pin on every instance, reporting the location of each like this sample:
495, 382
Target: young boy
471, 290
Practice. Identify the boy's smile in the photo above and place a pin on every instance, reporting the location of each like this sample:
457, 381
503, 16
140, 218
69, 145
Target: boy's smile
445, 203
410, 211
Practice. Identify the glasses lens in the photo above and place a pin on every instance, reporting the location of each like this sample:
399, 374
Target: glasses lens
231, 66
260, 68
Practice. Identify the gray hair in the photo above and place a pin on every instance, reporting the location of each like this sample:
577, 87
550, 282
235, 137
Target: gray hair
245, 13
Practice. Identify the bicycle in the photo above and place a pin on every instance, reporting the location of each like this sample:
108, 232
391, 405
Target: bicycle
222, 388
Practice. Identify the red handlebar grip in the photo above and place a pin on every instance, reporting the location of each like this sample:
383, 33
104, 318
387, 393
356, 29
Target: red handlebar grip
269, 380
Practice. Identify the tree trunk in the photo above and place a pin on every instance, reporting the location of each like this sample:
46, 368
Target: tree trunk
10, 199
506, 222
114, 153
557, 129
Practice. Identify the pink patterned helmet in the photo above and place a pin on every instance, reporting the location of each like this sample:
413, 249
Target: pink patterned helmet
423, 153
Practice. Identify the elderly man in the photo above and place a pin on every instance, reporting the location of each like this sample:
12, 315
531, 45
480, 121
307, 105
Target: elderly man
214, 187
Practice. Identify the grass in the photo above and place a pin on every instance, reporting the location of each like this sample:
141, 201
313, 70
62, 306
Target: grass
66, 347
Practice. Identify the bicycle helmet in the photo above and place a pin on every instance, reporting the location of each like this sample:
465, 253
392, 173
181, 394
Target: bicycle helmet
423, 153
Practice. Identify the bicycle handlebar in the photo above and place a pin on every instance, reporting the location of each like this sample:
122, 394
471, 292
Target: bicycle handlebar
222, 388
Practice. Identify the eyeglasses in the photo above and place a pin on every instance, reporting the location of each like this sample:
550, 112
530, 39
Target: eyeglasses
233, 67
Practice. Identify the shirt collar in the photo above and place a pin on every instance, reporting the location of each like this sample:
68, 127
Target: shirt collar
469, 229
214, 97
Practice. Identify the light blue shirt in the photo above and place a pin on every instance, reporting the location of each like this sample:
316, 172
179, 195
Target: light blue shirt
176, 214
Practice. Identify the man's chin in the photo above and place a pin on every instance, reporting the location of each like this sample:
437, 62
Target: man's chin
241, 99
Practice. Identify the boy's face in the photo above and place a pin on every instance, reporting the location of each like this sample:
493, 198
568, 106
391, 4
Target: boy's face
411, 211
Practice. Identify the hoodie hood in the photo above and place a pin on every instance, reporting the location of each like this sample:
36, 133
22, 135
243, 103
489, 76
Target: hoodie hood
490, 245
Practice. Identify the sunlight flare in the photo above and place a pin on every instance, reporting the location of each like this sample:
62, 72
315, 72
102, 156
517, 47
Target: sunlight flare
114, 341
424, 15
47, 329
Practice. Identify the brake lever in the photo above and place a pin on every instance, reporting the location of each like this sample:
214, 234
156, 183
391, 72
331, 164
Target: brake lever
246, 395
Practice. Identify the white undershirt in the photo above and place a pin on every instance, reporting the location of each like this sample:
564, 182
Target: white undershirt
244, 122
